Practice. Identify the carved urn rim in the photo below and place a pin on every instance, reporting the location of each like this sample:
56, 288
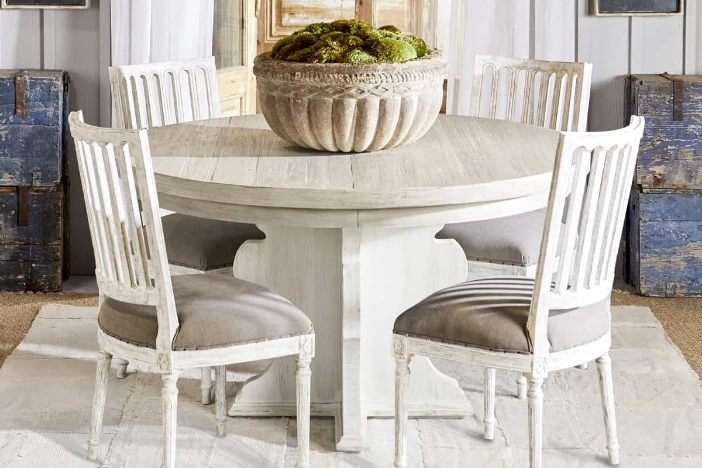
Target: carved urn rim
432, 65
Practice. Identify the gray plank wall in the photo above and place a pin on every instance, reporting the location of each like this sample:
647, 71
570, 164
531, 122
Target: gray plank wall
72, 40
564, 30
78, 41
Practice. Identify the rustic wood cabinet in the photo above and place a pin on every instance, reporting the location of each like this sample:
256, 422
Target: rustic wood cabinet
665, 209
33, 182
278, 18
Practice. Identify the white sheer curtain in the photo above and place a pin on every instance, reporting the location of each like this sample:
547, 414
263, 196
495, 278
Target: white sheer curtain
150, 31
483, 27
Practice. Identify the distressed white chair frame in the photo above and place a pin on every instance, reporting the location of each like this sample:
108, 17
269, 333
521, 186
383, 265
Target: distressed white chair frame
553, 95
590, 187
532, 92
156, 94
235, 91
131, 266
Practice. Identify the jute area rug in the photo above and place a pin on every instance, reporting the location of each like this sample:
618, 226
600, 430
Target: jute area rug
46, 388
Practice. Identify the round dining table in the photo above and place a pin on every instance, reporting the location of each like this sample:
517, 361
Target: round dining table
350, 239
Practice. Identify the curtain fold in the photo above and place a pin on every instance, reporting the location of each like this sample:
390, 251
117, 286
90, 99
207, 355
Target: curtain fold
483, 27
150, 31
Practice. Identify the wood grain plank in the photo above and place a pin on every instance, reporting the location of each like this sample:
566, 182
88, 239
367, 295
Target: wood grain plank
494, 28
460, 160
554, 30
77, 43
20, 39
604, 42
657, 44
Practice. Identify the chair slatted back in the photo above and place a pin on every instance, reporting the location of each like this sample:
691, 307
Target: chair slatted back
590, 189
156, 94
554, 95
122, 206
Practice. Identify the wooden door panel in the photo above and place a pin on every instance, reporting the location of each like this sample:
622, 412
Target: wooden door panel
279, 18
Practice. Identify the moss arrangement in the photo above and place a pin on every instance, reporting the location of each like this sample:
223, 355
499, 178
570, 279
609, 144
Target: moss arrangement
348, 41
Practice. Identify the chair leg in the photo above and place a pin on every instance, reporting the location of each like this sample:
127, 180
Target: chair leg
169, 395
303, 377
220, 400
489, 400
121, 368
206, 385
101, 376
604, 366
402, 377
521, 387
536, 409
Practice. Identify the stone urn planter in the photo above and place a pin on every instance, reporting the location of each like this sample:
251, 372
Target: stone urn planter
351, 107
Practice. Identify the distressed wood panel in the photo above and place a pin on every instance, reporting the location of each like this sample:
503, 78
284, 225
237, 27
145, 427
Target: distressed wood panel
279, 18
32, 149
657, 44
32, 255
670, 154
405, 14
665, 258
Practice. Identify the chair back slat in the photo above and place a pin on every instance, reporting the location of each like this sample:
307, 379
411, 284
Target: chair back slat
553, 94
585, 216
122, 206
157, 94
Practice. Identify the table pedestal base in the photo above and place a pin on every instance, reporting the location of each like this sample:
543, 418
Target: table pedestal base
352, 283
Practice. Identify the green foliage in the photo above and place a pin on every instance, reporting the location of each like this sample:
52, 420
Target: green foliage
348, 41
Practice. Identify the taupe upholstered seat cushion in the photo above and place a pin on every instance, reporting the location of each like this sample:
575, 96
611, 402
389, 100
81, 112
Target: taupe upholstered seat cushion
492, 313
204, 244
514, 240
213, 310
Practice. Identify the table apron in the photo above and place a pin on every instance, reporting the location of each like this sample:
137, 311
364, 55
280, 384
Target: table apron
397, 217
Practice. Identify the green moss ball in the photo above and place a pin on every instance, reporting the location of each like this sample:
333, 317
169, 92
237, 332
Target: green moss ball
348, 41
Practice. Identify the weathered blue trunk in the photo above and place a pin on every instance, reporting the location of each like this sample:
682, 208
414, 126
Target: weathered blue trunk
33, 205
664, 228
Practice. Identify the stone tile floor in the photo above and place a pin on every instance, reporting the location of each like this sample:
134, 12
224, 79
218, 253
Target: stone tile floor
46, 392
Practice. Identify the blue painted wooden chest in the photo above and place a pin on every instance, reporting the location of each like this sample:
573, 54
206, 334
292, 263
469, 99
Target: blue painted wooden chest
33, 181
664, 227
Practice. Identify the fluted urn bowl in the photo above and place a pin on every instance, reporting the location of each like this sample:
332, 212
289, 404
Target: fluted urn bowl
351, 107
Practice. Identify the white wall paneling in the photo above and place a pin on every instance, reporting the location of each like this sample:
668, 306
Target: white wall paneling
564, 30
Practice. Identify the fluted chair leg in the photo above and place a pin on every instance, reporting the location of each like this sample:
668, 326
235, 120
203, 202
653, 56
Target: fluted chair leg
521, 387
604, 367
535, 395
303, 377
169, 396
101, 377
206, 385
221, 400
402, 377
121, 368
489, 400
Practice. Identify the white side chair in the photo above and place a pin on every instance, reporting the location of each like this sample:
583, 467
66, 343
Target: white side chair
541, 325
156, 94
554, 95
171, 324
